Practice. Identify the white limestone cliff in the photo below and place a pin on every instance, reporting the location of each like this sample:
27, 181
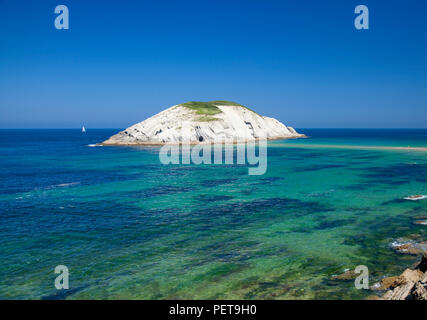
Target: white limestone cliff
182, 124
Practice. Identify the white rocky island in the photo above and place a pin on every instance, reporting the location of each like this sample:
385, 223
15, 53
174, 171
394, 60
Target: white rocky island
208, 122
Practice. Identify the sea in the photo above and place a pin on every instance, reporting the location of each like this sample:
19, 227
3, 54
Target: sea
127, 226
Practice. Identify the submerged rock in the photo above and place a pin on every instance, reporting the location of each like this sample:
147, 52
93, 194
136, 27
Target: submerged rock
421, 222
414, 236
346, 275
195, 122
416, 197
408, 247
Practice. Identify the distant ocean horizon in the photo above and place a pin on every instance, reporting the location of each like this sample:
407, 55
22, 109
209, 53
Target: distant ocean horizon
128, 227
123, 128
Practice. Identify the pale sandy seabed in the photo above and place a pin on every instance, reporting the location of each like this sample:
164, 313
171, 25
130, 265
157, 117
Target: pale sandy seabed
337, 146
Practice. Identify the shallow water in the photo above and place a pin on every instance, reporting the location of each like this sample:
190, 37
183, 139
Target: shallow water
128, 227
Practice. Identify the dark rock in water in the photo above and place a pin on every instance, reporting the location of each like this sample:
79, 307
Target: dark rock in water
423, 264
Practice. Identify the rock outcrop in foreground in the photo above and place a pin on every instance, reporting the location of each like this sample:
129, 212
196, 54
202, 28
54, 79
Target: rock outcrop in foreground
195, 122
410, 285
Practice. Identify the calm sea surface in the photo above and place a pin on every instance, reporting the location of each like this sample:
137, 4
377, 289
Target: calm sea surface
128, 227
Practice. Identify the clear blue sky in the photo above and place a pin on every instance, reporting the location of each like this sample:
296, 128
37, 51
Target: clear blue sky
302, 62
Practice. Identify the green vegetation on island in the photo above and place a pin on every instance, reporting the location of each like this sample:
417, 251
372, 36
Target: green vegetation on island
210, 108
207, 119
202, 108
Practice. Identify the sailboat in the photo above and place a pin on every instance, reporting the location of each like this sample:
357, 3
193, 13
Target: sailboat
83, 129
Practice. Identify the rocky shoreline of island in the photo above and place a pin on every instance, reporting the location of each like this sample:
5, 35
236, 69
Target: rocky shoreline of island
228, 142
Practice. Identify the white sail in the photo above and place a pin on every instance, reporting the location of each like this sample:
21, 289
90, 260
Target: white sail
83, 129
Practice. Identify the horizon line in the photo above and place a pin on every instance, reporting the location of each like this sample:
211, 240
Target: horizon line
299, 128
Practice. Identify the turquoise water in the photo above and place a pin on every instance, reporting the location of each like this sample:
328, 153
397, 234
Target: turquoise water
128, 227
